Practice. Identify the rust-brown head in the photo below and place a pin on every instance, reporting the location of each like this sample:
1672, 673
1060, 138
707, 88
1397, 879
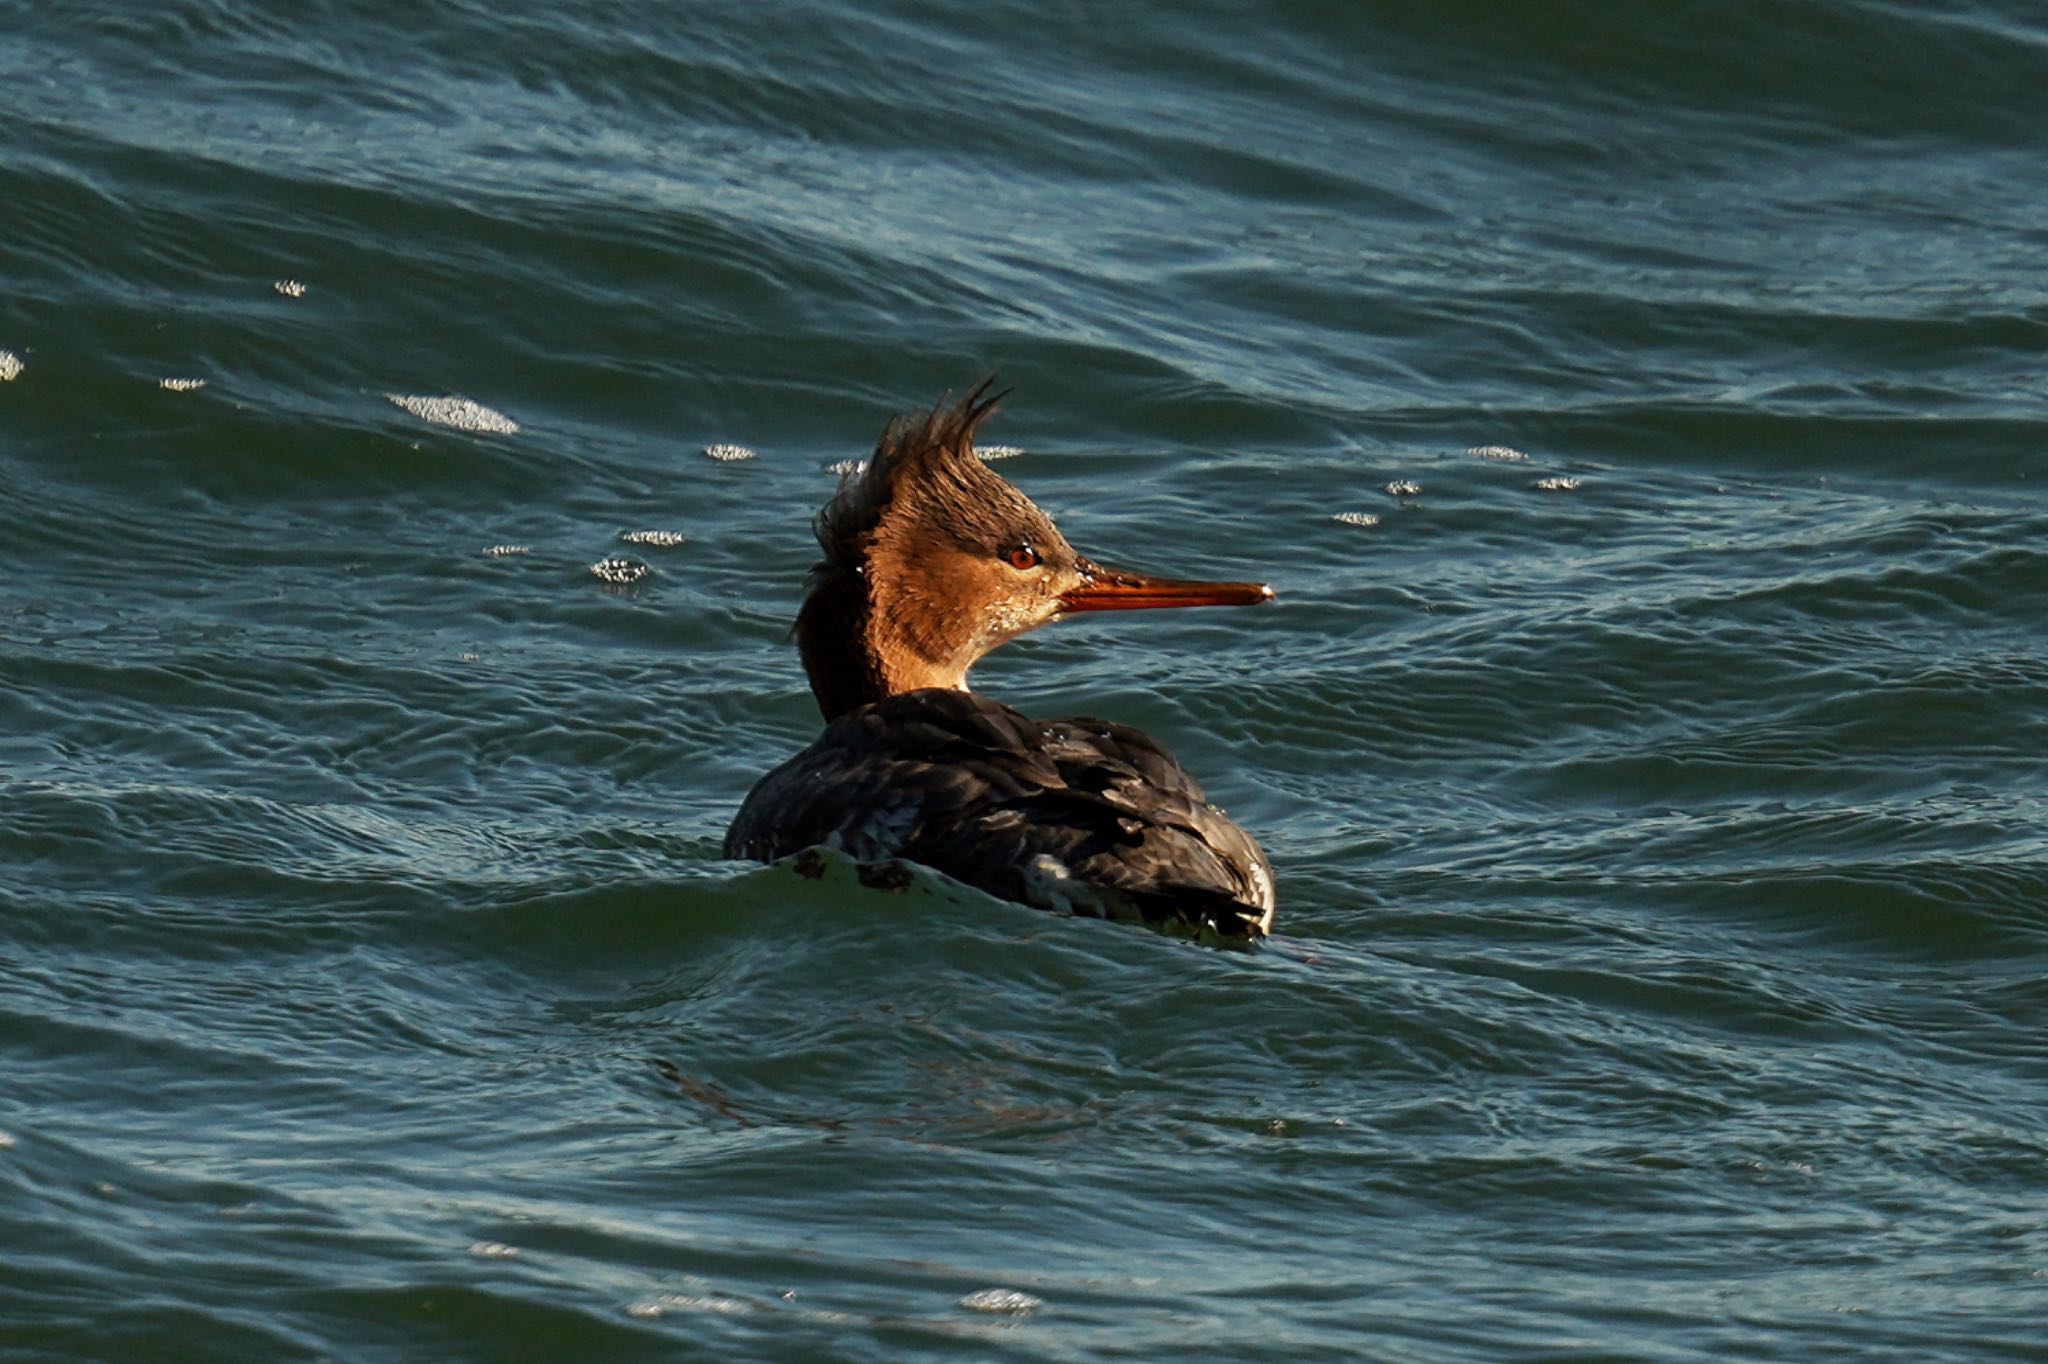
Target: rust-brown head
932, 559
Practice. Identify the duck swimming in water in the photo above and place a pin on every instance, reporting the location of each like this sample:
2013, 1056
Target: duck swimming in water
931, 560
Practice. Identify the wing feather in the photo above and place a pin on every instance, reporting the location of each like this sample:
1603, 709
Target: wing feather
1079, 815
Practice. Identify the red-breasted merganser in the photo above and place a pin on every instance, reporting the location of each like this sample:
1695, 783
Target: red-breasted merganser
931, 560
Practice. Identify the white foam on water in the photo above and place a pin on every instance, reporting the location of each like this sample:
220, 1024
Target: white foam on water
659, 1306
999, 451
1558, 483
1356, 518
728, 454
10, 366
617, 568
290, 288
846, 467
1001, 1301
659, 539
1404, 487
180, 385
493, 1250
1505, 453
450, 410
506, 551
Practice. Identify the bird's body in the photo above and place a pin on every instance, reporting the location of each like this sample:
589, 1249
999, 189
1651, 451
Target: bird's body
1079, 815
931, 560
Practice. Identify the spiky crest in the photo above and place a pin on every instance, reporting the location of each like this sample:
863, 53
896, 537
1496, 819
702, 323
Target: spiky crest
910, 446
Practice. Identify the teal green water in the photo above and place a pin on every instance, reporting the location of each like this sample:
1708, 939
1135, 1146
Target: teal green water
1658, 815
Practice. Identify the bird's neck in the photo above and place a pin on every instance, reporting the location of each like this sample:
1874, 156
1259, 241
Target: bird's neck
854, 651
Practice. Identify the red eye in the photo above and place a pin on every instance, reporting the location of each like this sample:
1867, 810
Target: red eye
1023, 557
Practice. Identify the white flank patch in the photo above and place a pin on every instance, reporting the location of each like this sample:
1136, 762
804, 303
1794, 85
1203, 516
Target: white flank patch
1053, 880
728, 454
460, 413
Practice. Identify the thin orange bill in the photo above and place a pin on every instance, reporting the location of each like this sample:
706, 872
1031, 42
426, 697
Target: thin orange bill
1109, 589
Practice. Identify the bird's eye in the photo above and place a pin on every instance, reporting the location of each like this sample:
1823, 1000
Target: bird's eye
1023, 557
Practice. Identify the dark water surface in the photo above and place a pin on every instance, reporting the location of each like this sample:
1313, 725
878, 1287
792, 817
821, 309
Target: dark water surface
1664, 884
